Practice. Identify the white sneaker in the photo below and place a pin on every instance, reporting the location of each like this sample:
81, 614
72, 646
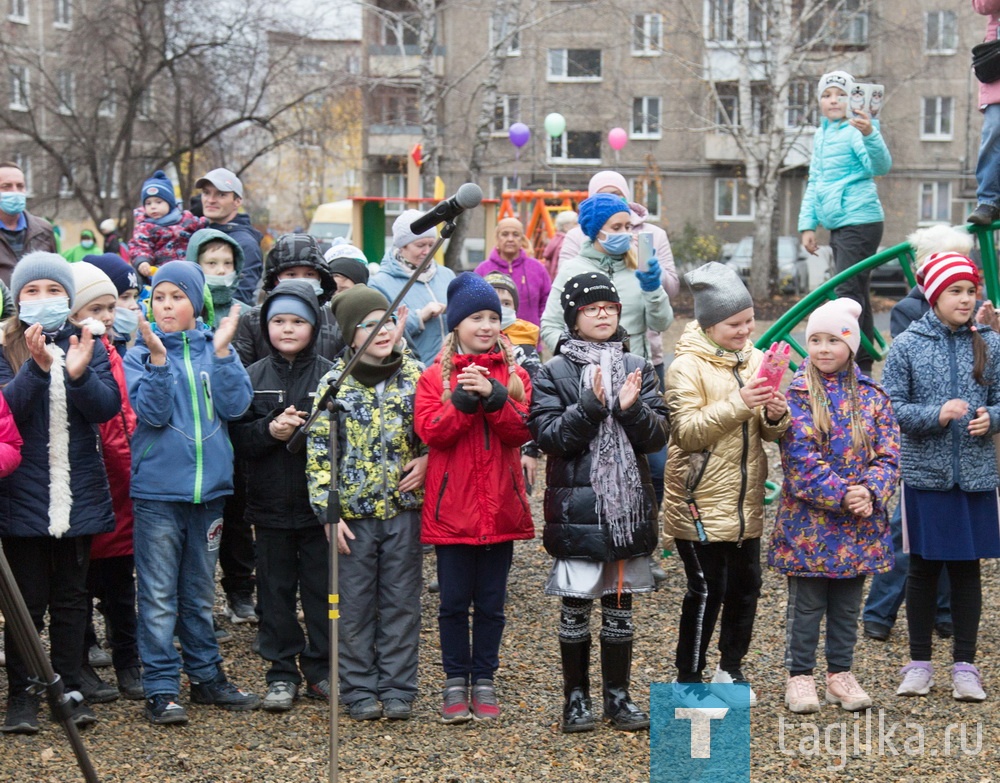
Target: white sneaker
734, 697
966, 683
918, 679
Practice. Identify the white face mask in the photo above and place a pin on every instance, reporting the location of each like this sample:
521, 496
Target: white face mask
507, 317
220, 281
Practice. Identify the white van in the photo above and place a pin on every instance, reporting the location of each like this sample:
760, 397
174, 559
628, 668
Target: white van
332, 220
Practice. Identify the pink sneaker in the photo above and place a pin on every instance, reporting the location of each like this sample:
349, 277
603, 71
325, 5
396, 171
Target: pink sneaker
455, 701
843, 689
800, 694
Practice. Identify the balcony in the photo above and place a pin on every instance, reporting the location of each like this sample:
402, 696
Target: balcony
396, 61
722, 147
392, 140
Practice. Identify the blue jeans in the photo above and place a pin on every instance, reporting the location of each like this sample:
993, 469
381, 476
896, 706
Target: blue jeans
472, 576
988, 164
176, 548
889, 589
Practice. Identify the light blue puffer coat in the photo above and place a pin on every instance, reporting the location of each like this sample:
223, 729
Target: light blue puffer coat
841, 189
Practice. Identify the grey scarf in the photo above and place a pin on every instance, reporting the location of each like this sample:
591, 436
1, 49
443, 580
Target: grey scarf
614, 472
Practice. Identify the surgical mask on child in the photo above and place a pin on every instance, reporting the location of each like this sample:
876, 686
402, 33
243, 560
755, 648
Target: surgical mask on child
50, 313
616, 244
317, 286
220, 281
126, 321
13, 203
87, 244
507, 317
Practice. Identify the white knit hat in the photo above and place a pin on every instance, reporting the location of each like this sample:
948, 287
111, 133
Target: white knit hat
842, 80
839, 318
401, 234
91, 283
942, 270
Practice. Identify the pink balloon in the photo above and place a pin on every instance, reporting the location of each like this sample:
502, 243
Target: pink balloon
617, 138
519, 134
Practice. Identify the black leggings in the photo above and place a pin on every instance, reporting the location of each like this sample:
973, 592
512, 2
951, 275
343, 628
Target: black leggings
921, 606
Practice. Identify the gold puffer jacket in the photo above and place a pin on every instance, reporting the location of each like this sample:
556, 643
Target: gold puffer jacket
709, 416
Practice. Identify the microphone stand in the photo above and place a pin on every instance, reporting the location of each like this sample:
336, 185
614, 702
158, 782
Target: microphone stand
44, 679
328, 403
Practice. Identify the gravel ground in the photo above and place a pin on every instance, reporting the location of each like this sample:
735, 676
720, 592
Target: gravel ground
526, 745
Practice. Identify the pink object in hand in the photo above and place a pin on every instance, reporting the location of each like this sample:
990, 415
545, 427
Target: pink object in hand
776, 361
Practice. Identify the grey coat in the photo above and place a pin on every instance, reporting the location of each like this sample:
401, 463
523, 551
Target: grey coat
928, 365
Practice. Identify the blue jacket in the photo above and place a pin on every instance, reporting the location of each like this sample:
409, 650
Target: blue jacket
90, 400
841, 189
248, 237
181, 450
928, 365
424, 339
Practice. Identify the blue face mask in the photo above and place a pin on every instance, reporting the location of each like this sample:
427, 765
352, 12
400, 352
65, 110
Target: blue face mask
615, 244
13, 203
50, 313
126, 321
317, 286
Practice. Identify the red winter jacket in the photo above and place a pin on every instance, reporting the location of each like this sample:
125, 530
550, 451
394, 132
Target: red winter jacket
474, 491
10, 440
116, 434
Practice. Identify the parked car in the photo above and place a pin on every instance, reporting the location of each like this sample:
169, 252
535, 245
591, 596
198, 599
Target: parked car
886, 280
793, 265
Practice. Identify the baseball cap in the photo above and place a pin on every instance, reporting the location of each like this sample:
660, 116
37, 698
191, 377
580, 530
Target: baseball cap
224, 180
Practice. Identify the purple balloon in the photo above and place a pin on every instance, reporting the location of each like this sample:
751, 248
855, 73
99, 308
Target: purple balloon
519, 134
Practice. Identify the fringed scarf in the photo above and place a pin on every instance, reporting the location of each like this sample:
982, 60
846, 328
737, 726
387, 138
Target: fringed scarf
60, 495
614, 472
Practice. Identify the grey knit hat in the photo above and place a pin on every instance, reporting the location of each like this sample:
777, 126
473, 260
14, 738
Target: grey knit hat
42, 265
718, 293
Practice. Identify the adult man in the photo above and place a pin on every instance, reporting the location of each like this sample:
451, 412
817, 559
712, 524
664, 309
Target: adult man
221, 197
20, 232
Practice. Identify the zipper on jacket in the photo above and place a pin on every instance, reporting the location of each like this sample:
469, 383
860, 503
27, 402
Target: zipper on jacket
437, 507
486, 433
206, 385
193, 388
956, 436
743, 465
381, 439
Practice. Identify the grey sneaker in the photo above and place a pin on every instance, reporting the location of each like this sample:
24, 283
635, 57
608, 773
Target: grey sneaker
366, 709
455, 701
484, 701
240, 608
397, 709
98, 657
280, 696
966, 682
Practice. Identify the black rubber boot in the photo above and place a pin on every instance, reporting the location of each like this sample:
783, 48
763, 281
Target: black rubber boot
578, 713
616, 665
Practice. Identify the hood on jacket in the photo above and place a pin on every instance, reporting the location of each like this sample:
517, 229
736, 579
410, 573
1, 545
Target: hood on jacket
300, 289
203, 236
292, 250
694, 340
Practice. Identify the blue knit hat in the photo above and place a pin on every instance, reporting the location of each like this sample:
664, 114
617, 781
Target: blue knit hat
159, 185
42, 265
595, 211
121, 273
467, 294
186, 276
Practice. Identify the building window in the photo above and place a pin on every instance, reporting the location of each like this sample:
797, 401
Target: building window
108, 104
576, 147
935, 202
646, 117
64, 13
394, 186
24, 163
936, 119
20, 88
802, 108
310, 64
66, 91
941, 32
18, 11
110, 180
574, 65
727, 108
396, 107
145, 108
506, 29
835, 22
733, 200
721, 20
646, 191
66, 184
647, 35
507, 112
401, 30
500, 185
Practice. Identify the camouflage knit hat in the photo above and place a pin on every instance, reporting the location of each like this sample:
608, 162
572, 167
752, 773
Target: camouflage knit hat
292, 250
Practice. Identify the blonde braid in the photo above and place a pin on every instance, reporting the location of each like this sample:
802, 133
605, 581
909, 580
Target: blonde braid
819, 402
447, 365
515, 386
860, 439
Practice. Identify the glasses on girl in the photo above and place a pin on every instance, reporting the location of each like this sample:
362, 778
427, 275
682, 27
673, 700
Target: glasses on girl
591, 311
369, 325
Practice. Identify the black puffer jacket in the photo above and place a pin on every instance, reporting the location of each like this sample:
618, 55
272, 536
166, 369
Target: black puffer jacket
278, 494
563, 423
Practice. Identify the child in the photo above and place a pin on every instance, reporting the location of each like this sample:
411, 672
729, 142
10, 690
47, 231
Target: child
380, 474
597, 411
348, 265
840, 460
221, 259
470, 411
294, 256
523, 337
291, 547
841, 194
185, 384
110, 579
942, 376
720, 412
59, 386
127, 310
161, 230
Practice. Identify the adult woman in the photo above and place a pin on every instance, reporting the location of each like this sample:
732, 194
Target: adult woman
510, 257
426, 300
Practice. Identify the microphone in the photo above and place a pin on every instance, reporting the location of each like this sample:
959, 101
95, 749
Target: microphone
468, 196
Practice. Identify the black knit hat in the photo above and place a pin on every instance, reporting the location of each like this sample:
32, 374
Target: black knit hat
292, 250
350, 268
585, 289
352, 306
506, 282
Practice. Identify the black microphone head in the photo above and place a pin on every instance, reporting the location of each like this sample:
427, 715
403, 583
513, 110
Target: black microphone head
469, 195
